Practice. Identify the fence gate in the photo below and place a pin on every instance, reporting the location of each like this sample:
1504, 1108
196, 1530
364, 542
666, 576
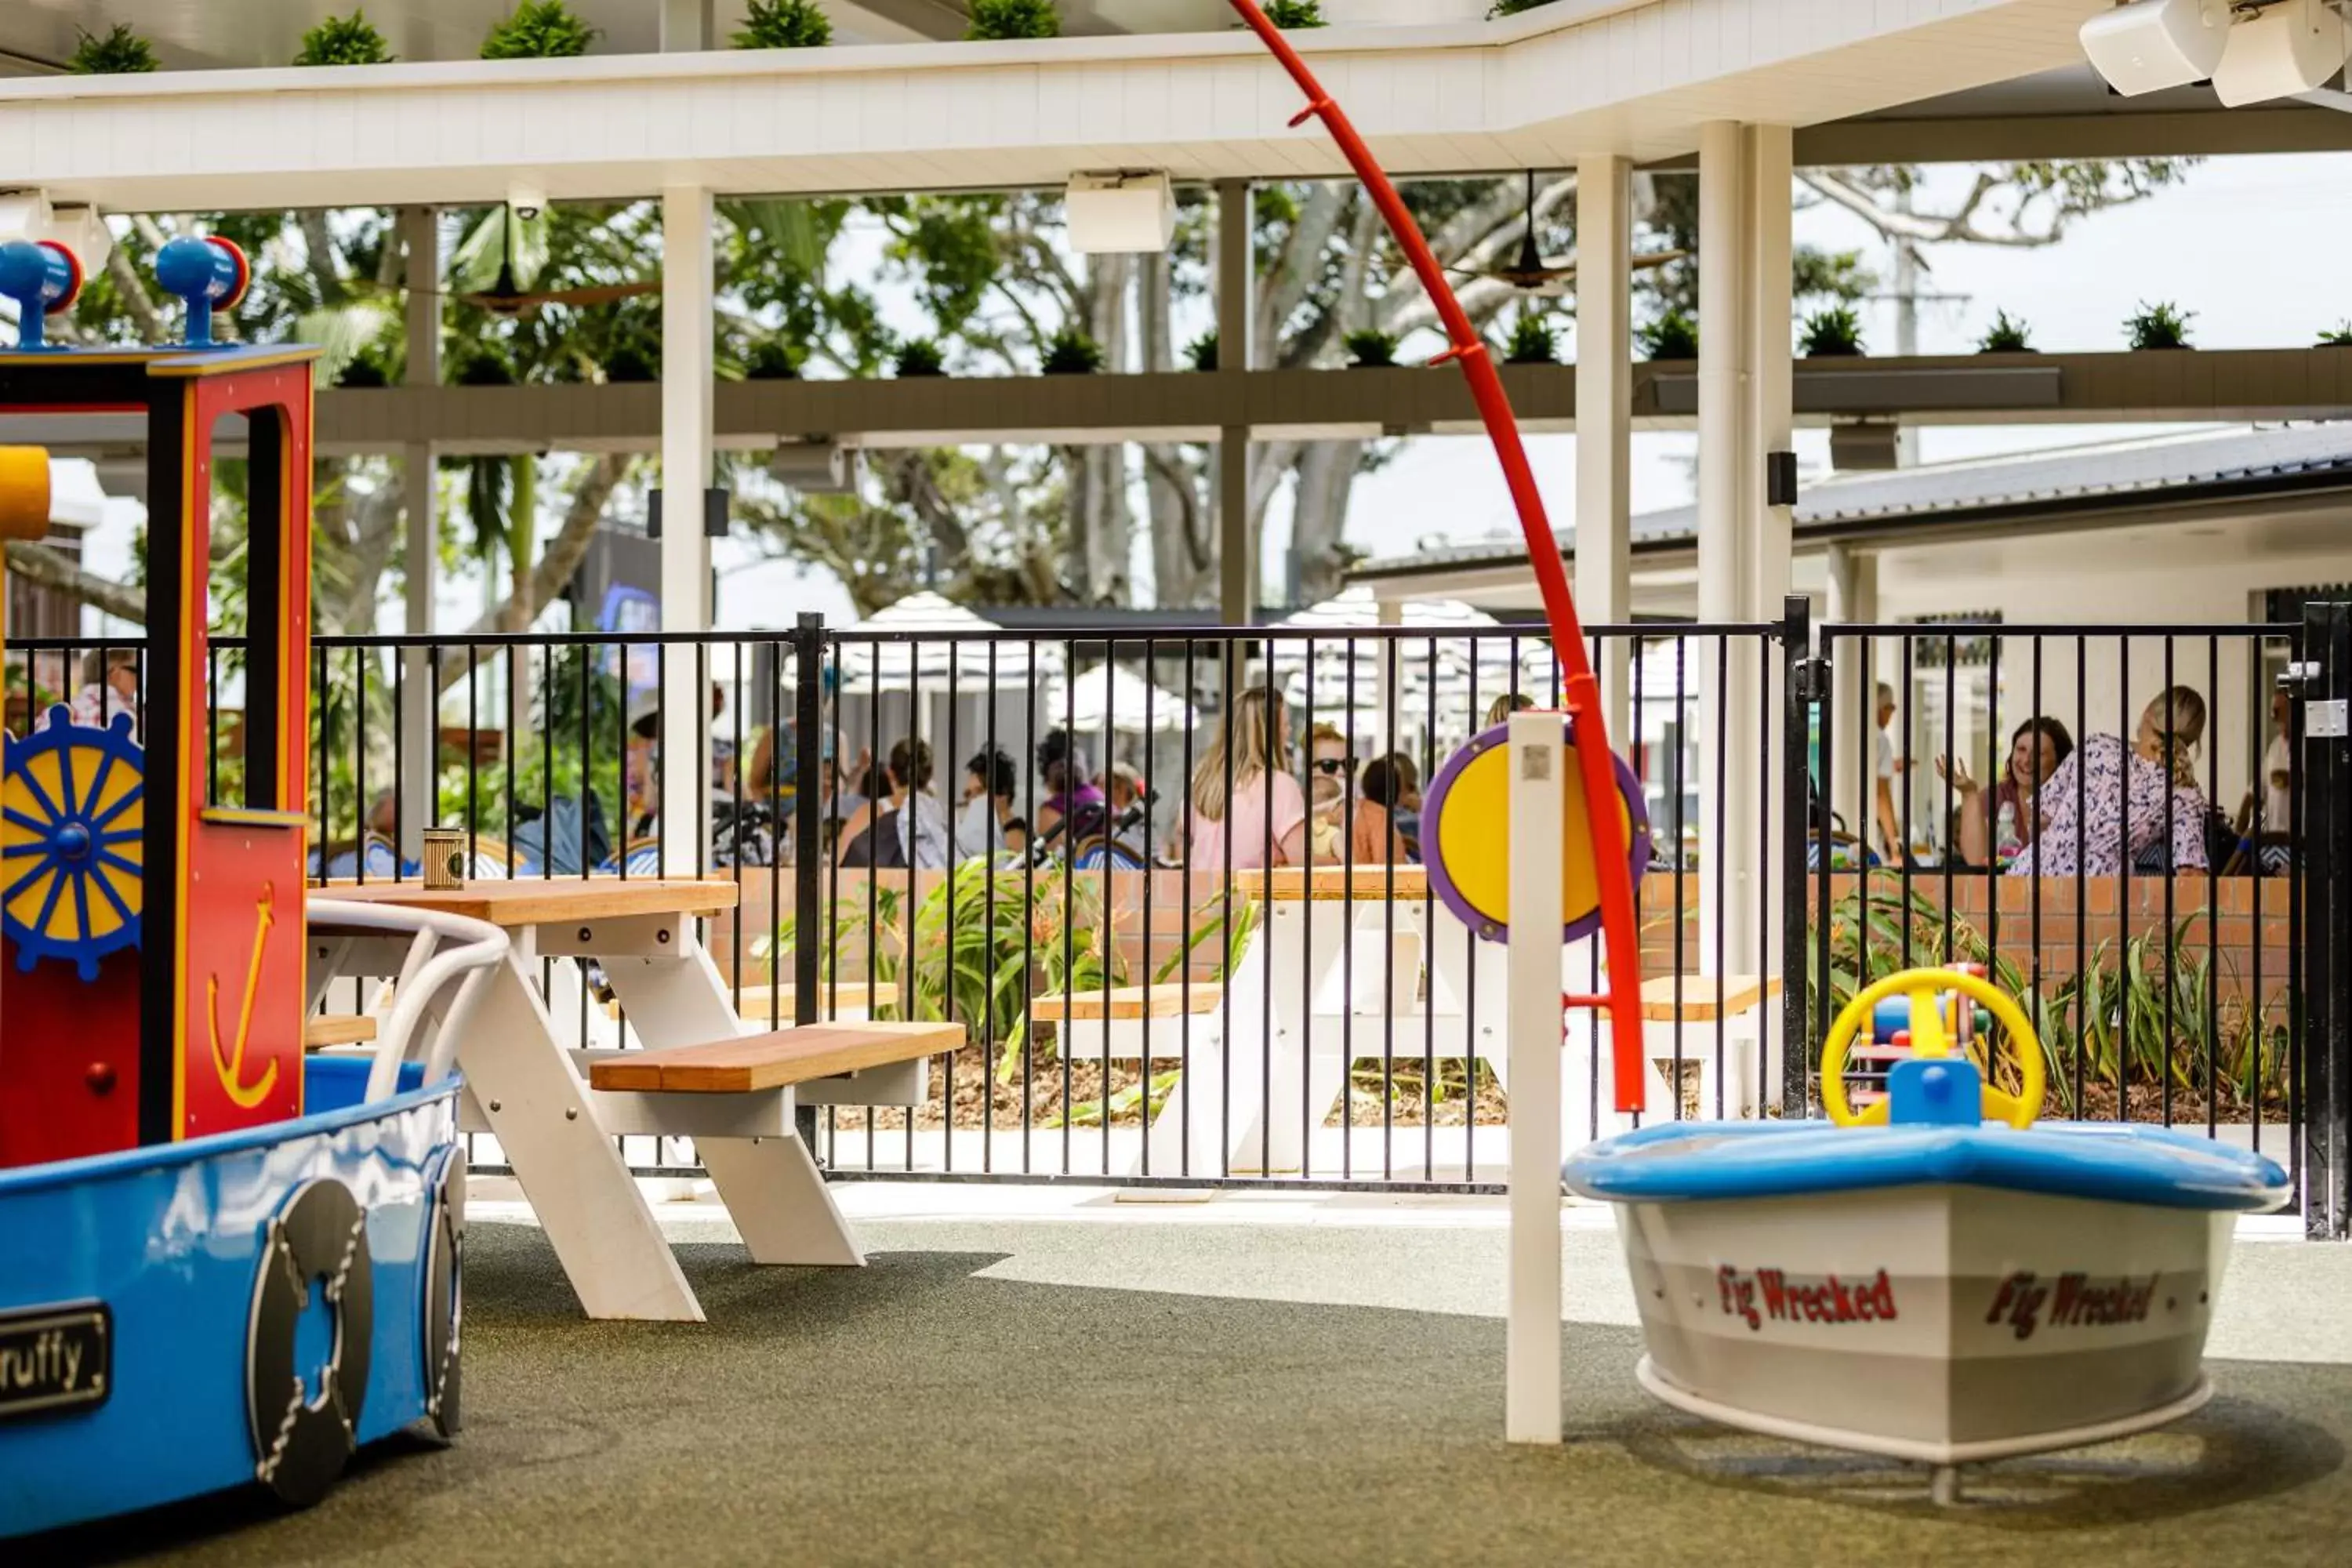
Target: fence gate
2321, 683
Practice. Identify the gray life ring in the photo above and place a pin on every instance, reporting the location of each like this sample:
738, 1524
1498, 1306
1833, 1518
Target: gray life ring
444, 1309
301, 1443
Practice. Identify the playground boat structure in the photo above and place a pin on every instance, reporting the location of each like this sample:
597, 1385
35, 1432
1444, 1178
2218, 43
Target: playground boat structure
1935, 1278
226, 1263
1938, 1276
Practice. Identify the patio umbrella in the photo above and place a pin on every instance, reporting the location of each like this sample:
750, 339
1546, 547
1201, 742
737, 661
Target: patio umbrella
1112, 697
930, 635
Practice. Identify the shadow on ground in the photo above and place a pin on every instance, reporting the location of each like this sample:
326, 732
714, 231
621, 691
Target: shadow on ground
919, 1411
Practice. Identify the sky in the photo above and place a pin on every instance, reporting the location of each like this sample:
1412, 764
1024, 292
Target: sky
2253, 247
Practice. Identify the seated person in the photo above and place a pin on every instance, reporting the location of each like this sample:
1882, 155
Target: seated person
2000, 821
2108, 805
988, 824
1373, 838
1331, 772
906, 826
1499, 711
1245, 810
1069, 797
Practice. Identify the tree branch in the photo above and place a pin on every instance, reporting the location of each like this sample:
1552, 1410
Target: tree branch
135, 297
52, 568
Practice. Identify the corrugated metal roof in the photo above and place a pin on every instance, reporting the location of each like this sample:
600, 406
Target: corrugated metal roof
2145, 468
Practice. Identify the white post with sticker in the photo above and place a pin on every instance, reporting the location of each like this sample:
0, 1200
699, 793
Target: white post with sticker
1538, 764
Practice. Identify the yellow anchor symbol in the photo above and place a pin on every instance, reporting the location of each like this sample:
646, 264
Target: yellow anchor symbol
231, 1068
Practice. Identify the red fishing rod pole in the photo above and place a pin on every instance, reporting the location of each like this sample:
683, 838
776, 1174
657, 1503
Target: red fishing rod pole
1581, 690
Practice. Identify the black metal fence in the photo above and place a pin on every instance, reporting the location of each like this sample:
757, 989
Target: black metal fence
2124, 826
1190, 931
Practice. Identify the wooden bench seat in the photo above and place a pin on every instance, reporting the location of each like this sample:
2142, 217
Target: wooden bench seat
775, 1059
1704, 999
337, 1029
854, 999
1165, 999
857, 998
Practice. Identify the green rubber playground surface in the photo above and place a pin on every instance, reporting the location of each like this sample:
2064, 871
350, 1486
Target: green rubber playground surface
1010, 1393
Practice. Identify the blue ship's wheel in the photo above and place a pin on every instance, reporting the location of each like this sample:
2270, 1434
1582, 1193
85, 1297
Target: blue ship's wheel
72, 809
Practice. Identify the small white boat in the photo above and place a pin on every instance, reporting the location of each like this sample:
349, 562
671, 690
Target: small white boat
1919, 1281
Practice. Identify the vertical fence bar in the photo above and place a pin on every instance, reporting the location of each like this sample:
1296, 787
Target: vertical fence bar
808, 829
1800, 686
2328, 980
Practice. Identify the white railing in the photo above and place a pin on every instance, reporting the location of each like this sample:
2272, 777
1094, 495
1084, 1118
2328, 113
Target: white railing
420, 1026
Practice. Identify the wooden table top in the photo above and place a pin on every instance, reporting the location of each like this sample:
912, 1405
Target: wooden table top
1332, 884
533, 900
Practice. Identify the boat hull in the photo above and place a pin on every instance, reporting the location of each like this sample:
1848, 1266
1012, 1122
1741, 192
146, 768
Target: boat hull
1942, 1323
144, 1297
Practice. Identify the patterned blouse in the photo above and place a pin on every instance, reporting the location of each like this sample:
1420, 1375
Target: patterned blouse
2097, 846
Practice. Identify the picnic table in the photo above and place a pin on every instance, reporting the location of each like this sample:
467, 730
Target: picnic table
1343, 962
1363, 961
556, 1111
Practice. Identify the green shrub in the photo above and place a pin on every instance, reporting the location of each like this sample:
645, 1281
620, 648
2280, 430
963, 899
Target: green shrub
1835, 332
784, 24
1072, 353
1513, 7
538, 30
770, 361
2337, 337
918, 357
365, 368
1202, 350
1534, 341
1293, 15
120, 53
1672, 336
482, 365
1370, 349
993, 20
2005, 336
350, 41
2157, 327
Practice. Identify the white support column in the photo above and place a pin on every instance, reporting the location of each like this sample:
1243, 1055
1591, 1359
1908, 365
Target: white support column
1604, 419
1728, 834
419, 703
686, 328
1237, 566
1769, 421
1772, 361
1852, 598
1539, 762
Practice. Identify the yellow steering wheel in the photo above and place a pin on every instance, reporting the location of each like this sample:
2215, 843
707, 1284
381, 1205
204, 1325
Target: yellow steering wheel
1929, 1038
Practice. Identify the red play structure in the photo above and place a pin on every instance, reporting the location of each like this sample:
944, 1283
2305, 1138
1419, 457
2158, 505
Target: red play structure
1581, 691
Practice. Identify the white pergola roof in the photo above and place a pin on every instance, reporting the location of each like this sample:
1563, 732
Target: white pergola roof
1575, 77
217, 35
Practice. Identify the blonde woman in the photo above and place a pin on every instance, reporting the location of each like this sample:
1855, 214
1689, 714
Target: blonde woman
1264, 807
2108, 805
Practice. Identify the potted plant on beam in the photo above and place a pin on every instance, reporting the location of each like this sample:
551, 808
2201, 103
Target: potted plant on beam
1370, 349
2159, 326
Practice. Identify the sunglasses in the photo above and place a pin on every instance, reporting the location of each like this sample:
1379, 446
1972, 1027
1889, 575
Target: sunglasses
1331, 765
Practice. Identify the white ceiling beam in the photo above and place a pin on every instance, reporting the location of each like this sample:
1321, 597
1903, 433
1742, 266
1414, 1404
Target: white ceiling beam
1604, 77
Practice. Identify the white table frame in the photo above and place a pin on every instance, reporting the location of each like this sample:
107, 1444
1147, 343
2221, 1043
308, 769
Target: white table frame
525, 1086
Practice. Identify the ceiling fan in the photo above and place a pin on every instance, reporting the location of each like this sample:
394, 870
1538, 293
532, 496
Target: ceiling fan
1531, 274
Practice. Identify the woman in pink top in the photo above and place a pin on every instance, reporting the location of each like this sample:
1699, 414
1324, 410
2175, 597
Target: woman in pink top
1266, 807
